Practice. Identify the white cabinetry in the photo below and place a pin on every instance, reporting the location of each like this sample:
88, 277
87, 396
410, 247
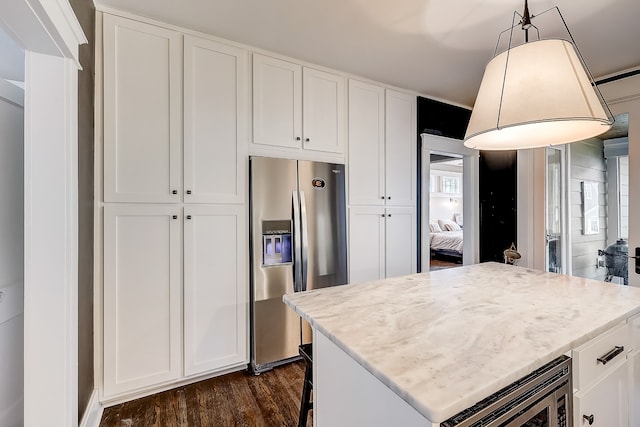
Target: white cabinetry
215, 122
382, 242
297, 107
142, 279
382, 182
215, 298
601, 379
142, 112
162, 322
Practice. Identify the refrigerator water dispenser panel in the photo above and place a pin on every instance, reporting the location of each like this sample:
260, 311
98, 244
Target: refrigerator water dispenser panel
276, 243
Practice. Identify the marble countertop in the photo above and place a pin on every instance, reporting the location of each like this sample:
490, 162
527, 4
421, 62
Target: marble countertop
445, 340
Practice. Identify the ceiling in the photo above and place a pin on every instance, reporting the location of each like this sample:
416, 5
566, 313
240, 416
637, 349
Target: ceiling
436, 47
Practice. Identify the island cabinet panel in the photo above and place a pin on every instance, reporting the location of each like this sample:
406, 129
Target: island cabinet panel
215, 309
215, 122
142, 112
142, 278
607, 401
346, 394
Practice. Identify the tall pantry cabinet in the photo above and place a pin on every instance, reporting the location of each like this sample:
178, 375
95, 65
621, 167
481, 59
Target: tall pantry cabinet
175, 206
382, 182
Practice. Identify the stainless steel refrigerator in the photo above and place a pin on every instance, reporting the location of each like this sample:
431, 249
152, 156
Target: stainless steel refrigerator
298, 242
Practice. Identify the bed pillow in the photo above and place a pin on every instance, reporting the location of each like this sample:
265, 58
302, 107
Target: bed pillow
449, 225
434, 227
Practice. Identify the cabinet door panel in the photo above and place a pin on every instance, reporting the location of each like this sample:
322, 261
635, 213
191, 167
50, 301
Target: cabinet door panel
400, 149
215, 88
141, 296
366, 144
142, 112
607, 400
401, 241
323, 111
215, 288
277, 102
366, 244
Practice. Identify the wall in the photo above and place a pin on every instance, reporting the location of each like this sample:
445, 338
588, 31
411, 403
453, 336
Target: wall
11, 258
441, 205
587, 163
624, 196
85, 12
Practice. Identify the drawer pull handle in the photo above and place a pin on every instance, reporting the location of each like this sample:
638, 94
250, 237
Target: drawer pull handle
611, 355
588, 418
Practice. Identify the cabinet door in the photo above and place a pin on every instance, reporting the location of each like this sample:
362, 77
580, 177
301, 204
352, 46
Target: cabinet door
215, 119
607, 400
366, 144
400, 149
324, 99
366, 244
142, 112
215, 288
142, 275
401, 241
277, 102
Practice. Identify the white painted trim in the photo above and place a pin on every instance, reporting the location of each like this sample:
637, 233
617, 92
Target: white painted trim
11, 93
51, 240
93, 412
470, 197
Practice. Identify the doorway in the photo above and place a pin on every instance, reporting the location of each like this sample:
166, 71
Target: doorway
450, 174
555, 207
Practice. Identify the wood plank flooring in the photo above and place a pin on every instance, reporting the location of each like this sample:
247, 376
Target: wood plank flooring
237, 399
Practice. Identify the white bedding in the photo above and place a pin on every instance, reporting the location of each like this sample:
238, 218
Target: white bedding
450, 240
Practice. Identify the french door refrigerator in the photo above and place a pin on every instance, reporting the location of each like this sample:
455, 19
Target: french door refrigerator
298, 242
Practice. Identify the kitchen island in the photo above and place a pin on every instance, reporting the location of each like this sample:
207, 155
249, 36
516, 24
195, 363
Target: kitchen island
426, 346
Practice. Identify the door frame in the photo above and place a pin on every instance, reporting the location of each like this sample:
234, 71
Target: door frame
623, 96
50, 34
565, 236
470, 196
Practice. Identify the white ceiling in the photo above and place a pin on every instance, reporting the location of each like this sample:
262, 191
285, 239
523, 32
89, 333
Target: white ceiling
436, 47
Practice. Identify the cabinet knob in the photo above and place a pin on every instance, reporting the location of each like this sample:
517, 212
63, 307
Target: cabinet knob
188, 191
389, 198
389, 215
382, 197
588, 418
174, 191
307, 139
382, 215
297, 138
188, 216
175, 217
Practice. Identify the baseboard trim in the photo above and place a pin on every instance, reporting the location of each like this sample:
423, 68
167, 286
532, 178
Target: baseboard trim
93, 412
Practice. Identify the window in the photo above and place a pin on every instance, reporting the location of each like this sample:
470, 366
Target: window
450, 185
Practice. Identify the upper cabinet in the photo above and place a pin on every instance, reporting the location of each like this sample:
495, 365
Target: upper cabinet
400, 149
215, 122
382, 146
295, 107
142, 112
202, 81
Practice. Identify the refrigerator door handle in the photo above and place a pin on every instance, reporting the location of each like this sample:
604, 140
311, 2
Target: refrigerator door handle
297, 266
305, 239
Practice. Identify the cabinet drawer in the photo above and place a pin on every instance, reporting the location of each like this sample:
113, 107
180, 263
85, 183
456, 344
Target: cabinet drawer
607, 348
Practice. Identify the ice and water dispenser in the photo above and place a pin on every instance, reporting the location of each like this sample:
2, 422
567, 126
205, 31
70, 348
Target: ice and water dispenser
276, 242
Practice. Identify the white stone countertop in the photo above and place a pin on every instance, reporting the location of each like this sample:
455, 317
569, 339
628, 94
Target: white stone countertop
445, 340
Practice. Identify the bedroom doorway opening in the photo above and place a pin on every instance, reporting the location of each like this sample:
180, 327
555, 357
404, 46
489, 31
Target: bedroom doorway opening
446, 203
449, 226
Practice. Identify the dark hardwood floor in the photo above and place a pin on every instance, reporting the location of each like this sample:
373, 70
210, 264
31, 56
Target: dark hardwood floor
439, 264
238, 399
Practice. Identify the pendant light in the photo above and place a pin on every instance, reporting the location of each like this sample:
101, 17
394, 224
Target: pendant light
537, 94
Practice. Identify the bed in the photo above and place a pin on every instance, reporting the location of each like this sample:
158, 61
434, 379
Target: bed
445, 240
